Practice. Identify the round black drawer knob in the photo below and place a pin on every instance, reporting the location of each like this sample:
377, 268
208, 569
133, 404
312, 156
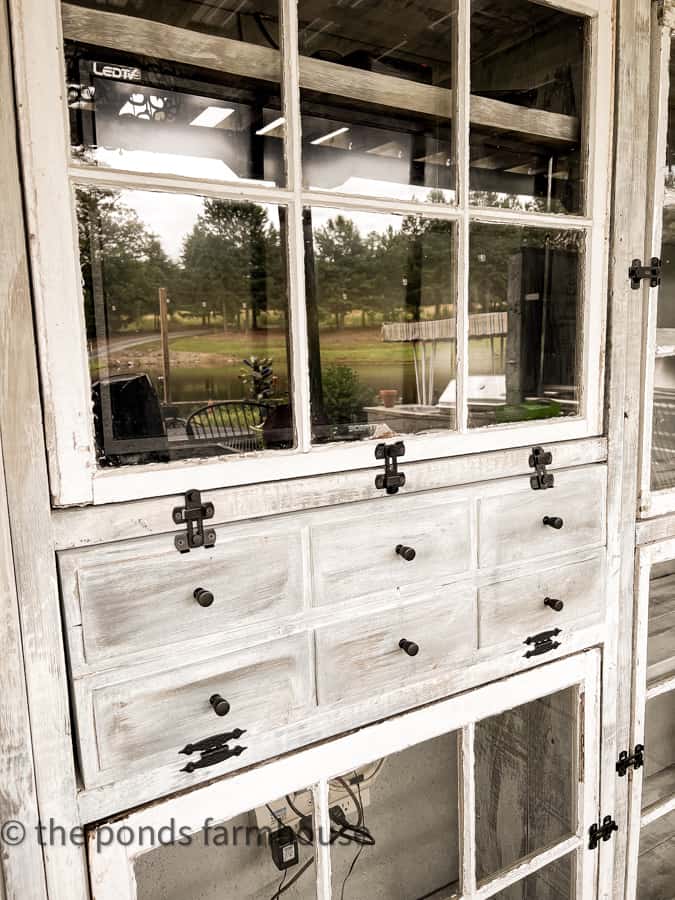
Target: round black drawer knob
554, 603
203, 597
409, 647
406, 552
219, 704
553, 522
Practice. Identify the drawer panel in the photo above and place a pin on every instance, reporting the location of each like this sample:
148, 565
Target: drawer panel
144, 719
513, 610
139, 595
363, 657
356, 555
511, 525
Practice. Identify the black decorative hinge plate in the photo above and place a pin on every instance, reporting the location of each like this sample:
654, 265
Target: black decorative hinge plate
192, 515
213, 750
542, 643
634, 761
602, 832
539, 459
392, 479
637, 273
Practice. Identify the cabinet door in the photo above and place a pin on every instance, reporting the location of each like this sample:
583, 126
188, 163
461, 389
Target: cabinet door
651, 864
489, 794
657, 489
281, 233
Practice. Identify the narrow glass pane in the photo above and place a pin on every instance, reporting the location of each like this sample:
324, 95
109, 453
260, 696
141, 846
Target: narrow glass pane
525, 302
394, 831
659, 774
661, 641
526, 772
381, 324
376, 93
187, 325
187, 88
663, 428
554, 882
656, 870
237, 858
527, 90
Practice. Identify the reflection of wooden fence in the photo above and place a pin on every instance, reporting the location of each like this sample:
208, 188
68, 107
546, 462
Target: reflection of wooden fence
426, 334
480, 325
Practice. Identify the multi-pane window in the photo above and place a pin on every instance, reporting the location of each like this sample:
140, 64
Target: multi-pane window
333, 224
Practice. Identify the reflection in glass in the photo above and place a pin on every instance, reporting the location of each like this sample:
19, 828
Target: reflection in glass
663, 427
527, 89
144, 106
376, 98
526, 761
554, 882
661, 640
381, 324
187, 325
659, 774
401, 839
525, 289
234, 859
656, 867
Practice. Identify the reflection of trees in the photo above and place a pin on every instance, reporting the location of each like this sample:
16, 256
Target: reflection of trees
231, 260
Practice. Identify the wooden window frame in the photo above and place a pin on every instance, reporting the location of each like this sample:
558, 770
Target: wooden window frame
644, 689
51, 177
111, 867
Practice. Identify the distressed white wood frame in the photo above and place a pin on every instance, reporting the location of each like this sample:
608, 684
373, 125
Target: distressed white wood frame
654, 502
112, 866
50, 178
644, 689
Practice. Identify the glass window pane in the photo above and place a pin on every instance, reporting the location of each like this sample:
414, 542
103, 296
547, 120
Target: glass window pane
376, 96
659, 774
527, 89
381, 324
187, 325
187, 88
661, 640
656, 868
402, 842
235, 858
526, 773
554, 882
525, 302
663, 428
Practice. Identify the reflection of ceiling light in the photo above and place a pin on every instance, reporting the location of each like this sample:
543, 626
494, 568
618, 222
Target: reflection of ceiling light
271, 126
212, 116
331, 134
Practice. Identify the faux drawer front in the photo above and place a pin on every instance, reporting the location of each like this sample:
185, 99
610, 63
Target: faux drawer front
511, 524
363, 657
139, 595
145, 720
356, 555
511, 611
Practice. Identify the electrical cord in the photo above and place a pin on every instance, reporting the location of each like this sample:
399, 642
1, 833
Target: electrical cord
365, 830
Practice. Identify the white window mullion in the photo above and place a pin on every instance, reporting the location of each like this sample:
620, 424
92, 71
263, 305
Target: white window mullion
467, 769
295, 250
462, 103
322, 841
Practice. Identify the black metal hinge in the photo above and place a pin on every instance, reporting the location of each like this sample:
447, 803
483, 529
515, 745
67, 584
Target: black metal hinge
601, 832
634, 761
213, 750
543, 643
539, 459
637, 273
192, 515
392, 479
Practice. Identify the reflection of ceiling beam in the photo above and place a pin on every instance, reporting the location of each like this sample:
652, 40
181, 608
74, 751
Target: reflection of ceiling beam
153, 39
